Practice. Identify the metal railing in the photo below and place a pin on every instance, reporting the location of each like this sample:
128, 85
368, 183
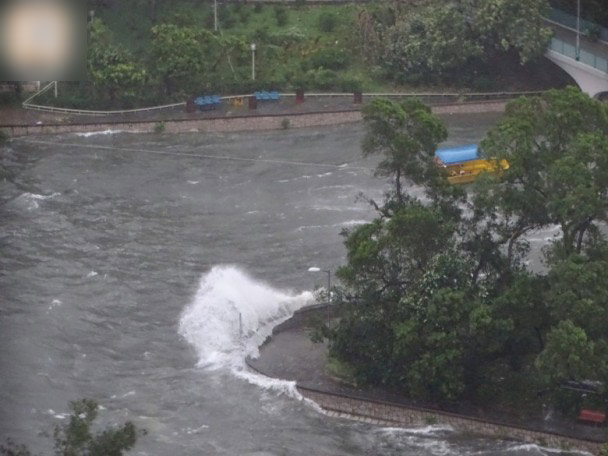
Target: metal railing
568, 21
586, 57
432, 97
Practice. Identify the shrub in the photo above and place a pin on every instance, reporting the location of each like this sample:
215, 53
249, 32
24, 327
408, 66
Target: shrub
350, 84
3, 136
327, 22
594, 32
260, 34
159, 127
209, 21
258, 7
225, 18
285, 124
324, 79
281, 16
329, 58
244, 15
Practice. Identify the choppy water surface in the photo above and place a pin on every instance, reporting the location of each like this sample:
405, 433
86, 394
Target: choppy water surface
127, 259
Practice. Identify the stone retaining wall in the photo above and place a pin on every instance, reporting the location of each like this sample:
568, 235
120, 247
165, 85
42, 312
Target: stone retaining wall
234, 124
385, 413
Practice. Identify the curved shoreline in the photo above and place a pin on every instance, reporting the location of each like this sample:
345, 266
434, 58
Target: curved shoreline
365, 406
241, 123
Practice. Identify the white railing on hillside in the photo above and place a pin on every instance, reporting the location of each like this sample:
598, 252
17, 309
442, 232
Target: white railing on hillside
457, 96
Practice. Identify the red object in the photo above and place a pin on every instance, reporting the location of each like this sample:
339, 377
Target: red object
592, 416
299, 96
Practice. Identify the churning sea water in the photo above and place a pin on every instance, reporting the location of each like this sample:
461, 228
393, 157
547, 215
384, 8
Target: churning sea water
141, 270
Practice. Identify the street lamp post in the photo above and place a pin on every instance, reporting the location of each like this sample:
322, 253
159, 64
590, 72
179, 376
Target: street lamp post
328, 272
578, 29
253, 61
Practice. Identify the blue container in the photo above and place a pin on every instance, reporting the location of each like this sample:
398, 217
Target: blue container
453, 155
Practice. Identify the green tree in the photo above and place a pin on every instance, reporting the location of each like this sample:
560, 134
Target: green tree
387, 255
444, 332
568, 355
429, 44
406, 135
505, 25
111, 68
557, 148
579, 293
182, 55
385, 259
76, 438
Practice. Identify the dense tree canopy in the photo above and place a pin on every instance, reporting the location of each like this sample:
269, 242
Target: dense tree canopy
405, 135
437, 40
557, 148
431, 42
443, 307
111, 68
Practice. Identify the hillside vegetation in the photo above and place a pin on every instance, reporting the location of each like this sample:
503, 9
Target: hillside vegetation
147, 52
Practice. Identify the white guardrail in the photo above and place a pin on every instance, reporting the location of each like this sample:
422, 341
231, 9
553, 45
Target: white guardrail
458, 96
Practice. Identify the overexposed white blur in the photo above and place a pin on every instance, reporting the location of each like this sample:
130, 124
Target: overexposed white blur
42, 40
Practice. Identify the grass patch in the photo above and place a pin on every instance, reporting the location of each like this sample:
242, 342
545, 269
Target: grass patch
342, 371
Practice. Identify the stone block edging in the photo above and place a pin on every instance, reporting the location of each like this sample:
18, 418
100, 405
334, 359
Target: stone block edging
221, 124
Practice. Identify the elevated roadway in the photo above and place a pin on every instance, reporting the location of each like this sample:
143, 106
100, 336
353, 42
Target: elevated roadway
587, 64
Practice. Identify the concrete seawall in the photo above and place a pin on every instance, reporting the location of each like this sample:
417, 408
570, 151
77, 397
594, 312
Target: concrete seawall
337, 401
232, 123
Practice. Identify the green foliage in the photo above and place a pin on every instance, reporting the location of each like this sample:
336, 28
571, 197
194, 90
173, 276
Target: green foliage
225, 17
557, 148
568, 355
504, 25
594, 32
76, 438
437, 301
429, 44
181, 53
350, 83
281, 15
3, 136
159, 127
329, 58
111, 68
327, 22
406, 135
439, 40
285, 124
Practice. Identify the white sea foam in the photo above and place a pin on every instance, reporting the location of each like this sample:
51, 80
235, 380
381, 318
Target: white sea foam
534, 448
230, 317
353, 222
30, 200
102, 132
40, 197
